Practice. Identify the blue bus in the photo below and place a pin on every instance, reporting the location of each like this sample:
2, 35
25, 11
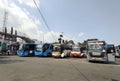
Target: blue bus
44, 50
27, 49
33, 49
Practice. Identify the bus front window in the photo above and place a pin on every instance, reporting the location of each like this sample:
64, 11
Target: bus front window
96, 47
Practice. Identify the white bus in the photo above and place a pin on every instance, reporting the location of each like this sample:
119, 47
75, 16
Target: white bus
99, 51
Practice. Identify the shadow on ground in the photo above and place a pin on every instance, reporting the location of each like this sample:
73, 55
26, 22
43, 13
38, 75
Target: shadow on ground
9, 61
7, 54
4, 57
110, 63
114, 80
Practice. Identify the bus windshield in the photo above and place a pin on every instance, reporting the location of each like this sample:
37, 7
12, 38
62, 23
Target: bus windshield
96, 47
27, 47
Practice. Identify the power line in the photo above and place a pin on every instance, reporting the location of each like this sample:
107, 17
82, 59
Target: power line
79, 71
43, 18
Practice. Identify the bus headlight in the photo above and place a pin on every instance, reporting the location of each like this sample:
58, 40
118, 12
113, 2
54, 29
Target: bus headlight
103, 51
31, 51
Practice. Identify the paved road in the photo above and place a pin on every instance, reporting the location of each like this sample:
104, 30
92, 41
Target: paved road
14, 68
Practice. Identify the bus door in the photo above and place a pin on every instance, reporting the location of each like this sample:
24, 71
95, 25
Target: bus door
38, 51
111, 53
47, 49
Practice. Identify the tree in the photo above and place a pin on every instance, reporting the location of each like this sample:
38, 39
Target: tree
28, 40
84, 43
61, 35
71, 42
66, 41
59, 39
56, 43
92, 39
79, 44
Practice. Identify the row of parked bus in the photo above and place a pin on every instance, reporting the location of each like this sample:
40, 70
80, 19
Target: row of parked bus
117, 48
33, 49
48, 49
95, 50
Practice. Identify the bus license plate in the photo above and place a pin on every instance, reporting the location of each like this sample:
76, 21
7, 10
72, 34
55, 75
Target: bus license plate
96, 53
98, 58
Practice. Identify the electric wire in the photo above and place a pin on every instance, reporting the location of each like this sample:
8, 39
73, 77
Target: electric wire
79, 71
43, 19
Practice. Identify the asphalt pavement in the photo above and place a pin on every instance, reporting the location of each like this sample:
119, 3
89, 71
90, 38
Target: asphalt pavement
15, 68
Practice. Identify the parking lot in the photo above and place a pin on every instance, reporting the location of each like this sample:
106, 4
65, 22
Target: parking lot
15, 68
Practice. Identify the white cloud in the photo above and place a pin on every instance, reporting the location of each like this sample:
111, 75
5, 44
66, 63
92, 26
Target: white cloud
53, 36
29, 3
20, 1
19, 16
81, 34
16, 10
25, 22
20, 19
3, 3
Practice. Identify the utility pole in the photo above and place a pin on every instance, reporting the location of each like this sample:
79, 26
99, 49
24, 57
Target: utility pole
4, 30
5, 18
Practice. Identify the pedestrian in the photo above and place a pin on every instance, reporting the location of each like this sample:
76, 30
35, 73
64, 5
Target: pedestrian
8, 51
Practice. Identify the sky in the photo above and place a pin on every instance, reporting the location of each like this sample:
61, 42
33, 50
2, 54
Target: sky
77, 20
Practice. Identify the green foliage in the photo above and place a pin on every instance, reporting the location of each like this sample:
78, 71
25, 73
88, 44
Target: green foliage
56, 43
71, 41
66, 41
79, 44
28, 40
84, 43
59, 39
92, 39
61, 35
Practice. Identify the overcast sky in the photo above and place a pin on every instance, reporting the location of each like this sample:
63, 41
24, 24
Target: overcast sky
77, 19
